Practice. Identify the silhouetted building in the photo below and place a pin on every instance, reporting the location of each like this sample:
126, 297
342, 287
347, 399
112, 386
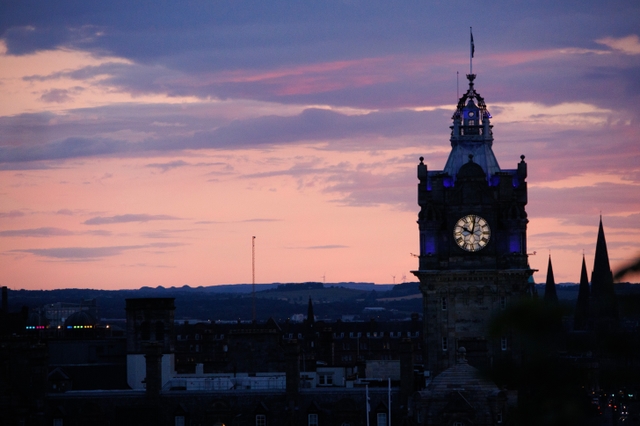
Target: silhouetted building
58, 313
245, 391
473, 242
150, 334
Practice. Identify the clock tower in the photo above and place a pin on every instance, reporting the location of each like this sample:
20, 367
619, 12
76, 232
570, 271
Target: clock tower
473, 242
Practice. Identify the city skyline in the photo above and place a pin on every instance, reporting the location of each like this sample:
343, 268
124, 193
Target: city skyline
146, 145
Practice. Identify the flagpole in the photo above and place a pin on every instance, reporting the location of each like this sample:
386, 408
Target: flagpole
389, 400
366, 390
471, 51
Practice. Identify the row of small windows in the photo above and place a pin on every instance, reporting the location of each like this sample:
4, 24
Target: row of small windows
376, 334
504, 344
261, 420
352, 335
199, 337
357, 335
498, 420
313, 420
291, 336
444, 303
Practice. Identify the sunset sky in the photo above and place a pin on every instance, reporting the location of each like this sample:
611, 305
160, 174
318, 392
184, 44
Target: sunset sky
145, 143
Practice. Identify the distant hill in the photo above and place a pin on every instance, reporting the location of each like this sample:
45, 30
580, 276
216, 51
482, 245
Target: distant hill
279, 301
248, 288
233, 302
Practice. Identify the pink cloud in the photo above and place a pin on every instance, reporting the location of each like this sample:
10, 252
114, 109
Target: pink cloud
629, 45
246, 76
325, 76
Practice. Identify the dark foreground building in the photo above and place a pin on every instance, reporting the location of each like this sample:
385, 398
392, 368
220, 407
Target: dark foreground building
243, 391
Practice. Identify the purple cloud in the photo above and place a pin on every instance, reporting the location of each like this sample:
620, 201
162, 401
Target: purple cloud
164, 233
12, 214
59, 95
126, 218
326, 247
165, 167
36, 232
46, 232
90, 253
310, 125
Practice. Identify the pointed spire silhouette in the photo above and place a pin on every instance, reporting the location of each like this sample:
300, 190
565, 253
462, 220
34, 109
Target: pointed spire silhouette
601, 276
550, 294
602, 292
582, 304
310, 317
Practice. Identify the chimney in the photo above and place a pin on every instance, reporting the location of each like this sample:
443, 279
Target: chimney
153, 358
406, 371
292, 356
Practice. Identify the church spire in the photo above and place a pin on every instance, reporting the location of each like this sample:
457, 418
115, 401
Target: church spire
601, 276
310, 317
602, 291
550, 294
582, 304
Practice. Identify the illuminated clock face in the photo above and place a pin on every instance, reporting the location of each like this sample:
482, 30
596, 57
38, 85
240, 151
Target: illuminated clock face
472, 233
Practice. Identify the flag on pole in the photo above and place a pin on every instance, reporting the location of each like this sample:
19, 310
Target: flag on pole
473, 46
366, 390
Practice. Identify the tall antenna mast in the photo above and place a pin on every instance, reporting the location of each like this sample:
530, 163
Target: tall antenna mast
253, 276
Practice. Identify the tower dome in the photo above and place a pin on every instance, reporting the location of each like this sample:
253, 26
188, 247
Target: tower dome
471, 170
81, 319
36, 320
460, 395
471, 134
